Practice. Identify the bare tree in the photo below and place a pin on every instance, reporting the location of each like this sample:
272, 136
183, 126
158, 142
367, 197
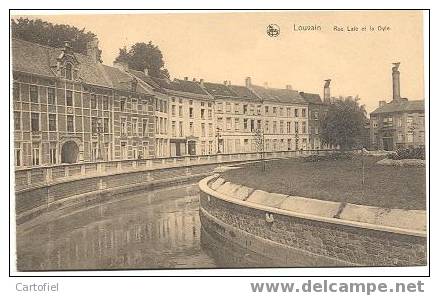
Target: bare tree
258, 135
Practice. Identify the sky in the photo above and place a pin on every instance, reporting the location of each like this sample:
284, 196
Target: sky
222, 46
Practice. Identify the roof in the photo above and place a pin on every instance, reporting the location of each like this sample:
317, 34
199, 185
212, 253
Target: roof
244, 92
401, 106
38, 59
311, 98
146, 78
179, 86
278, 95
219, 90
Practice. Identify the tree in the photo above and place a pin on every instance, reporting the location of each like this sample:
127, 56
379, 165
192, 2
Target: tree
259, 138
343, 123
143, 56
54, 35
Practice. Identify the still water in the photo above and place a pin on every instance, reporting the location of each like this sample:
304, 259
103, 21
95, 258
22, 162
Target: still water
145, 230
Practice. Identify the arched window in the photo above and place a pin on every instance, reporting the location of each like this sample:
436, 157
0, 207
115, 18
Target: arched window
69, 71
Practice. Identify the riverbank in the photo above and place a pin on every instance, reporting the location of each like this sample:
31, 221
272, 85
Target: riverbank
339, 181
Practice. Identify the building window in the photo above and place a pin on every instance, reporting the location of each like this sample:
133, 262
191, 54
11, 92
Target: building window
210, 129
203, 129
69, 71
51, 96
388, 121
409, 121
35, 122
304, 127
191, 128
105, 102
16, 91
52, 122
191, 112
122, 105
17, 120
123, 126
181, 129
173, 129
145, 127
228, 123
410, 137
296, 112
245, 124
236, 124
135, 127
180, 111
134, 105
106, 125
228, 107
70, 124
236, 108
35, 154
288, 127
202, 114
17, 154
245, 109
400, 137
52, 155
303, 112
173, 110
266, 110
209, 113
93, 102
94, 125
296, 127
219, 107
33, 92
124, 150
274, 110
69, 98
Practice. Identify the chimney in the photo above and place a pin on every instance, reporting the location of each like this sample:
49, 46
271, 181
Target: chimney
194, 79
67, 47
202, 82
248, 82
225, 82
289, 87
382, 103
229, 83
327, 91
93, 50
123, 66
186, 78
395, 82
265, 84
146, 72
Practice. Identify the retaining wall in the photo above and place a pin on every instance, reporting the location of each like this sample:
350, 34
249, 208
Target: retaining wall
297, 231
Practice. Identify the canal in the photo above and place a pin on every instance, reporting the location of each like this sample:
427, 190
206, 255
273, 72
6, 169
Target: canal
157, 229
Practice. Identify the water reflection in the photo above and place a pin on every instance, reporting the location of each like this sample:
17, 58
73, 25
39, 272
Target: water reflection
157, 229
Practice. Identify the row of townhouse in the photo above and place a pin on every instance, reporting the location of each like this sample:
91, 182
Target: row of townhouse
68, 107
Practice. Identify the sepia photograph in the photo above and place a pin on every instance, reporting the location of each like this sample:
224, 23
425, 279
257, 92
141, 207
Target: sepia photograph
156, 140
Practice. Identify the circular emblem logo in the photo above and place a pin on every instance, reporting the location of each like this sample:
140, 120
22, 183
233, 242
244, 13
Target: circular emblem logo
273, 30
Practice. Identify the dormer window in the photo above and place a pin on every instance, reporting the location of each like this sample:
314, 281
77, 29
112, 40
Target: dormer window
69, 71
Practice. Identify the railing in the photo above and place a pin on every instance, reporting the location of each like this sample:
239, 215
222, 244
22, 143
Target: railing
26, 178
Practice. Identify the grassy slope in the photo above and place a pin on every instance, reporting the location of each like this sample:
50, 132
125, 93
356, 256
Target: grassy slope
389, 187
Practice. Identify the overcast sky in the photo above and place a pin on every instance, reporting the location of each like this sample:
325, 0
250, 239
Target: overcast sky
230, 46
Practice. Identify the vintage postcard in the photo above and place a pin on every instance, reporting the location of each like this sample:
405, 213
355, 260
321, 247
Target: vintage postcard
152, 140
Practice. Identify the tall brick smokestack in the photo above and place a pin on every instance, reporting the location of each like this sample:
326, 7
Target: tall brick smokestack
327, 91
395, 82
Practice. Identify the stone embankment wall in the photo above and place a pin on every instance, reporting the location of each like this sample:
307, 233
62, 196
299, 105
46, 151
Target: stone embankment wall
297, 231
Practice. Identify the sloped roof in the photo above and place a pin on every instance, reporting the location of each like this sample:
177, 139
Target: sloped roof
38, 59
401, 106
181, 86
121, 80
244, 92
219, 90
278, 95
311, 98
147, 79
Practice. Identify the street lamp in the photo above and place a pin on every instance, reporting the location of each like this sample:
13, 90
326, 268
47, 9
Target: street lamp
218, 136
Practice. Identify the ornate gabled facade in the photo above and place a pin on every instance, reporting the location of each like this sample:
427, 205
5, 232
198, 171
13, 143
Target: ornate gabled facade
67, 108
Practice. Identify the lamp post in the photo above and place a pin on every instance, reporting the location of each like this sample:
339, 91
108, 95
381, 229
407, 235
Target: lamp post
218, 137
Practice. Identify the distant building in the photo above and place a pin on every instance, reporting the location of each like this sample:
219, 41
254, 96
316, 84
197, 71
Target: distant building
399, 123
68, 108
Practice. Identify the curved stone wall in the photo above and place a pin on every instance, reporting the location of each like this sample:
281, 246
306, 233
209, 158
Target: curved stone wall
297, 231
